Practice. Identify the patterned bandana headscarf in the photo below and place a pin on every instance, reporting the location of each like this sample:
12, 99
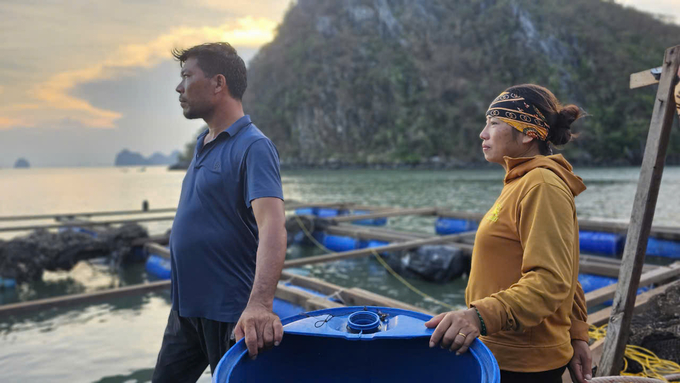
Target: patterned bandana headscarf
518, 113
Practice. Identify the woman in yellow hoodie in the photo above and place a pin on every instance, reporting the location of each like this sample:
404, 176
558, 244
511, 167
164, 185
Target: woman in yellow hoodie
523, 292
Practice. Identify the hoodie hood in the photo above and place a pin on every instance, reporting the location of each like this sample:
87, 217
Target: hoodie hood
518, 167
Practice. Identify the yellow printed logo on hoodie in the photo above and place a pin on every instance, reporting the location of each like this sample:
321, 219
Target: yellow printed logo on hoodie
493, 213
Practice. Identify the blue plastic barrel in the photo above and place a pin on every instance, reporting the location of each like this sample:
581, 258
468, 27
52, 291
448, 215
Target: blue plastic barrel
610, 244
7, 283
382, 345
663, 248
328, 213
158, 266
454, 225
376, 243
369, 222
342, 243
306, 211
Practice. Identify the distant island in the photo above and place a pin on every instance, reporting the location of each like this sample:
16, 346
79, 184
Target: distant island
22, 163
129, 158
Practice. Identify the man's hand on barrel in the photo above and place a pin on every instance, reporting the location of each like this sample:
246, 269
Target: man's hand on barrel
455, 330
261, 328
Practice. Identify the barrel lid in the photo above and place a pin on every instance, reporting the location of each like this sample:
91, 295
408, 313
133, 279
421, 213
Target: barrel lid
338, 323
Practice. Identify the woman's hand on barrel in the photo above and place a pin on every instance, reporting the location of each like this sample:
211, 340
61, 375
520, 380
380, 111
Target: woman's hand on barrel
455, 330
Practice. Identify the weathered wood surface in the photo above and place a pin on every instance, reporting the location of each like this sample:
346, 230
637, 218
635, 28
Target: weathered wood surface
305, 299
657, 275
69, 300
643, 78
663, 232
348, 296
86, 223
58, 216
642, 216
602, 317
363, 252
385, 214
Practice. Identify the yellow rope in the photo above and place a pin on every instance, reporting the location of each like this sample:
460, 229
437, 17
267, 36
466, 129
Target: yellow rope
652, 365
382, 262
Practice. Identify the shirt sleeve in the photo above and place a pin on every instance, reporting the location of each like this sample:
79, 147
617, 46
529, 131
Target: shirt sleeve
546, 229
262, 172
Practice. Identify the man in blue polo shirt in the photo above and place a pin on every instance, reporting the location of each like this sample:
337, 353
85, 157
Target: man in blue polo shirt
228, 239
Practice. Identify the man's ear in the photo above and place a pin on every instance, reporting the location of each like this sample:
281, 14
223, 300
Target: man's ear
219, 83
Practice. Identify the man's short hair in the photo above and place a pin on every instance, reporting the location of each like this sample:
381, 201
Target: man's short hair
218, 58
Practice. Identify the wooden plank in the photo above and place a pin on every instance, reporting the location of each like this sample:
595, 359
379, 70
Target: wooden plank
68, 300
662, 232
657, 275
643, 78
319, 303
385, 214
360, 297
161, 239
641, 216
606, 269
86, 224
601, 317
154, 248
315, 284
364, 252
57, 216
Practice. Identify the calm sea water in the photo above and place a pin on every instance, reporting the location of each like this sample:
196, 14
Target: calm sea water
118, 341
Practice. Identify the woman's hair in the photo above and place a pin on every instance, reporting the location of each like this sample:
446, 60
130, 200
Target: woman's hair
558, 117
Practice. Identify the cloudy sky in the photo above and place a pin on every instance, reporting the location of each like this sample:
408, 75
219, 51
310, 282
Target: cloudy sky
80, 80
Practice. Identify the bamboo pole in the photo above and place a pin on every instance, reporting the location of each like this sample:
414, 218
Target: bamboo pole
85, 214
85, 224
641, 217
385, 213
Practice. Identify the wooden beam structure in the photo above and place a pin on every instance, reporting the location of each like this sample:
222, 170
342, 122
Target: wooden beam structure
657, 275
385, 214
641, 216
309, 301
363, 252
58, 216
645, 78
601, 317
81, 223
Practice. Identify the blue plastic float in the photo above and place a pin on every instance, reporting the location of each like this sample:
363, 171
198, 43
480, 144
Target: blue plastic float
445, 226
342, 243
369, 222
357, 344
7, 283
159, 267
663, 248
601, 243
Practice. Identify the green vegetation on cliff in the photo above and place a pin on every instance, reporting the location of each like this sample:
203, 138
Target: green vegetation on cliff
368, 81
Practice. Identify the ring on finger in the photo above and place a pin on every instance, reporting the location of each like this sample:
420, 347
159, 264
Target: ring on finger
463, 335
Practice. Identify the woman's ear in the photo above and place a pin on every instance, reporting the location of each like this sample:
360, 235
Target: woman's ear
526, 139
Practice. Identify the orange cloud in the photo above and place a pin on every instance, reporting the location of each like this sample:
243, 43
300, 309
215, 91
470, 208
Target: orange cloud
53, 95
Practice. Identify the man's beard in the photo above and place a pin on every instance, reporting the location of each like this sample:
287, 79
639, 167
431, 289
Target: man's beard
194, 112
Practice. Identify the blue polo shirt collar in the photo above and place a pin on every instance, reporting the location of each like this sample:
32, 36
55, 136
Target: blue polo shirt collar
232, 130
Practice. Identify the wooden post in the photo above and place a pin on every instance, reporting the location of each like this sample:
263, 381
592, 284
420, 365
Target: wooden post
641, 217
